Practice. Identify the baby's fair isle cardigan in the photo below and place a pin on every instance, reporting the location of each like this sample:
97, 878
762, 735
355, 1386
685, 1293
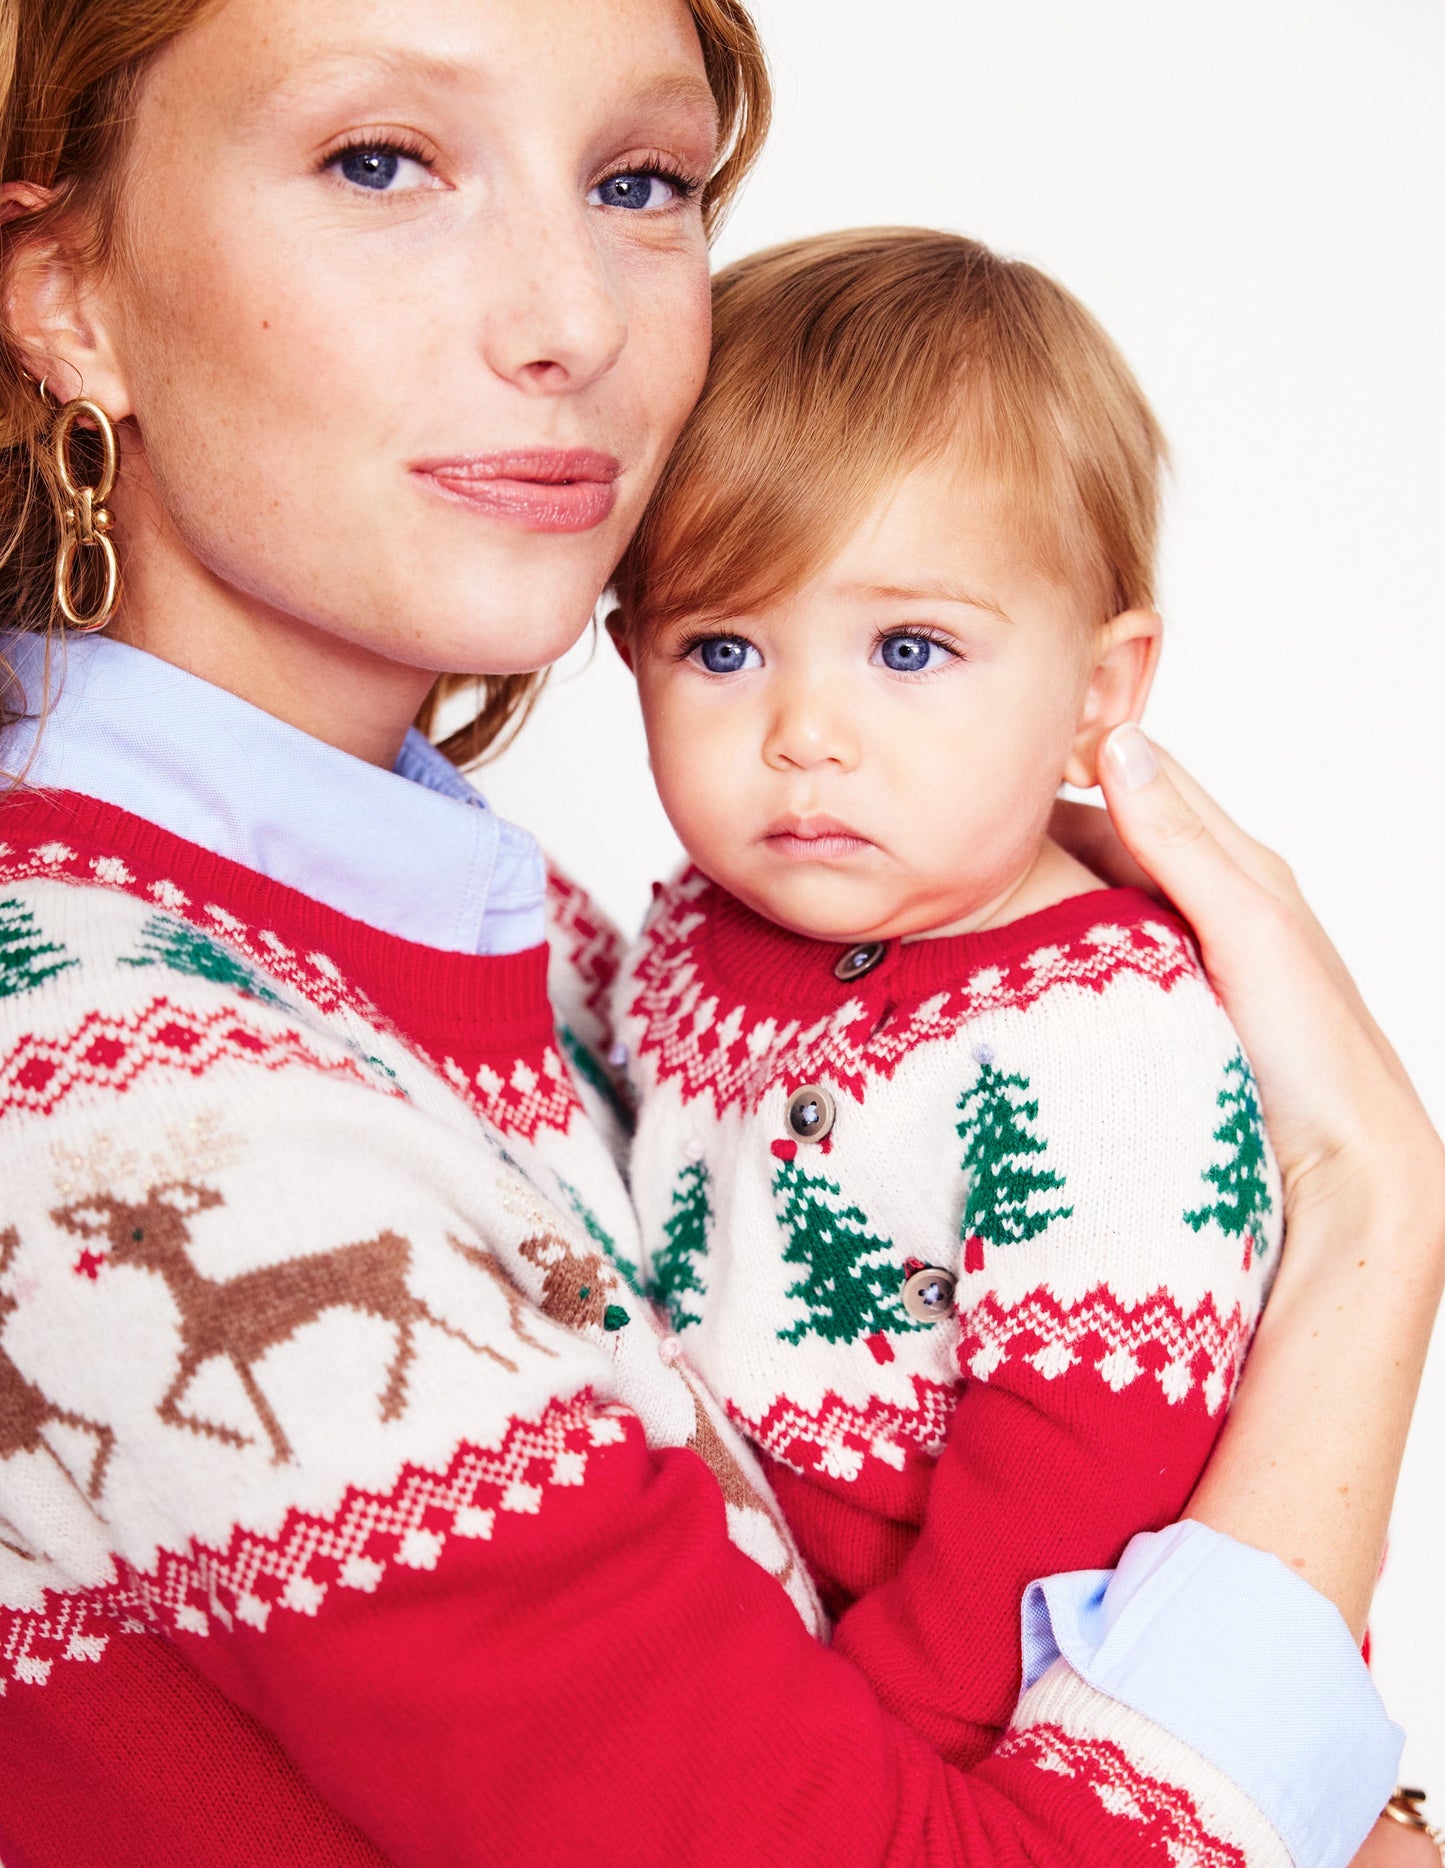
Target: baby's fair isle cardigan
350, 1507
1056, 1114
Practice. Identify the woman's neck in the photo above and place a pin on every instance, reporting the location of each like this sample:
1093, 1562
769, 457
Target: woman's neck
310, 676
309, 679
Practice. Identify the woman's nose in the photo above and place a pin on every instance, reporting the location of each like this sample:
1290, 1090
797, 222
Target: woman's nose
810, 727
555, 322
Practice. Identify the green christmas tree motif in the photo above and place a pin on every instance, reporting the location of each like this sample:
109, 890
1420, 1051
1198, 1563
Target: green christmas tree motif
1241, 1180
1006, 1185
26, 961
675, 1267
599, 1234
184, 949
852, 1282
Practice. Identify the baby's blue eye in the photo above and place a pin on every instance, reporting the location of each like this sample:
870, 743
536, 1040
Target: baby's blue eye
637, 190
725, 655
910, 655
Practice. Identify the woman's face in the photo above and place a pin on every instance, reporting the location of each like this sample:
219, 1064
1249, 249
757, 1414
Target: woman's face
409, 301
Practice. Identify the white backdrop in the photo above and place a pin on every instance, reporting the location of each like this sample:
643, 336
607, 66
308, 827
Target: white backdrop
1251, 195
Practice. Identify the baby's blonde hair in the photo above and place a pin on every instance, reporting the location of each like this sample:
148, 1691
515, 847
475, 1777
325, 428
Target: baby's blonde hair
843, 361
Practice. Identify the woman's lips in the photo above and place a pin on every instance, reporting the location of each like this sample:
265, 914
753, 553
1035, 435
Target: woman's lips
814, 839
538, 489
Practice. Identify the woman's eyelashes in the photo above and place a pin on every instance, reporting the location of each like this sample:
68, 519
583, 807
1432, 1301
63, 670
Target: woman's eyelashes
722, 655
649, 188
912, 652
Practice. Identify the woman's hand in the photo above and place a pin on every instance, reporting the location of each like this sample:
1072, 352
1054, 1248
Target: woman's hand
1307, 1461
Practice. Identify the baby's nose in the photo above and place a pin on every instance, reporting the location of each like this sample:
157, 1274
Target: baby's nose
811, 727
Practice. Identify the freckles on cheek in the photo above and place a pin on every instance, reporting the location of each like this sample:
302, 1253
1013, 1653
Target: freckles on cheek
671, 340
206, 317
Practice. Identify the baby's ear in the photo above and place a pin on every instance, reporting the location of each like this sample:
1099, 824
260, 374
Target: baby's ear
1126, 653
617, 629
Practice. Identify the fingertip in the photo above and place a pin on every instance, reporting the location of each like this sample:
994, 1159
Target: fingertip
1130, 757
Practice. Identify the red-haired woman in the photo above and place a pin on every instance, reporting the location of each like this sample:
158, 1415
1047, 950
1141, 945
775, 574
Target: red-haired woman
352, 1508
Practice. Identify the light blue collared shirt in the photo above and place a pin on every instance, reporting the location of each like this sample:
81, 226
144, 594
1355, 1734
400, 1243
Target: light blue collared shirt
1215, 1642
414, 851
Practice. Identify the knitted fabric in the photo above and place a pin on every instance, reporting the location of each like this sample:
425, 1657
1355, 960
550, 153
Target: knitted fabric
1056, 1113
353, 1509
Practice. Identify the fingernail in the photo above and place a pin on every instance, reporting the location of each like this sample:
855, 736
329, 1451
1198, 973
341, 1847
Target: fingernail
1128, 749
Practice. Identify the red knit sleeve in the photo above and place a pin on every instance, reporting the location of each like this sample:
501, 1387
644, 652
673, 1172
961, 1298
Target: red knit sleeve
1038, 1476
610, 1680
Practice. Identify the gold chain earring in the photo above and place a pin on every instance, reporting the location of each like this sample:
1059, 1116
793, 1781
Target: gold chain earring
85, 521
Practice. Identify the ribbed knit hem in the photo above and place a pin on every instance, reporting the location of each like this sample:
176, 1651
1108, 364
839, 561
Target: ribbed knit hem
1063, 1702
480, 1003
774, 970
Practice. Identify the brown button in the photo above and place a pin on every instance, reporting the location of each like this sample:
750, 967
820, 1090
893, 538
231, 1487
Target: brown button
810, 1112
860, 960
928, 1294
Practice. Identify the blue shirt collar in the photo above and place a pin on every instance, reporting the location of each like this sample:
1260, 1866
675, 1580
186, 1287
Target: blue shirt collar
415, 851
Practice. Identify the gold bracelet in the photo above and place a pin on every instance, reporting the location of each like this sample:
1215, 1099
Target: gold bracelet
1408, 1807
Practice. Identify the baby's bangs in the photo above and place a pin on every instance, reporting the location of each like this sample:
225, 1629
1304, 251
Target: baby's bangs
842, 362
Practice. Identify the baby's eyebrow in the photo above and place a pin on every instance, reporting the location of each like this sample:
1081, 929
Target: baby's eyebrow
928, 590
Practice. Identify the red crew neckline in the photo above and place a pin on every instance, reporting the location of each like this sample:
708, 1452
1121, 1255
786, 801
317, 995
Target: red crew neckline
422, 990
772, 969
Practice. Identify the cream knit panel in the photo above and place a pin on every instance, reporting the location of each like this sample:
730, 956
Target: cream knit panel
257, 1258
1093, 1112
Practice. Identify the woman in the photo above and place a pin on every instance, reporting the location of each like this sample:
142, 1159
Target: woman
344, 1481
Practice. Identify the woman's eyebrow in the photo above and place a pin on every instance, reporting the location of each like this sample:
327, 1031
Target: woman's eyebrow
441, 71
678, 90
681, 91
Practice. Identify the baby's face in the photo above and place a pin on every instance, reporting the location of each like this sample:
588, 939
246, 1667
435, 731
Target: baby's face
876, 755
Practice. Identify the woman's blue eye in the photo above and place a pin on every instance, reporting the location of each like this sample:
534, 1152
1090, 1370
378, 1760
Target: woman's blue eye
911, 655
635, 191
726, 655
379, 167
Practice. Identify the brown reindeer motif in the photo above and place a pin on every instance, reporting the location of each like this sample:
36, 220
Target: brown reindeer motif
240, 1318
25, 1410
577, 1286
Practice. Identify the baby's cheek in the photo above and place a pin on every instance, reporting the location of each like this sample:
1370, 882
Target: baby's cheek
701, 797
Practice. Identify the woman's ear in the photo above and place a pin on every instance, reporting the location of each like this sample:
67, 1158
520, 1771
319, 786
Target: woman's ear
617, 629
52, 313
1126, 653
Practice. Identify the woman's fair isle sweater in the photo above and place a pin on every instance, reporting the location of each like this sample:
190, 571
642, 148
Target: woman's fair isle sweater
1055, 1115
353, 1508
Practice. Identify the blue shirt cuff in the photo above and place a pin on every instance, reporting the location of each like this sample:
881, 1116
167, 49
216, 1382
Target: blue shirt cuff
1224, 1647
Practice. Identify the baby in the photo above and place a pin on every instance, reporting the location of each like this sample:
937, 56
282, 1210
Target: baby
949, 1165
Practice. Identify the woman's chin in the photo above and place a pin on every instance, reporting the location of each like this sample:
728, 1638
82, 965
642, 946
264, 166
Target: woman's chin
459, 634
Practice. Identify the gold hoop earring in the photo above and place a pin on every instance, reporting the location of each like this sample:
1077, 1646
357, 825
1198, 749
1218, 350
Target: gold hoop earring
86, 521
